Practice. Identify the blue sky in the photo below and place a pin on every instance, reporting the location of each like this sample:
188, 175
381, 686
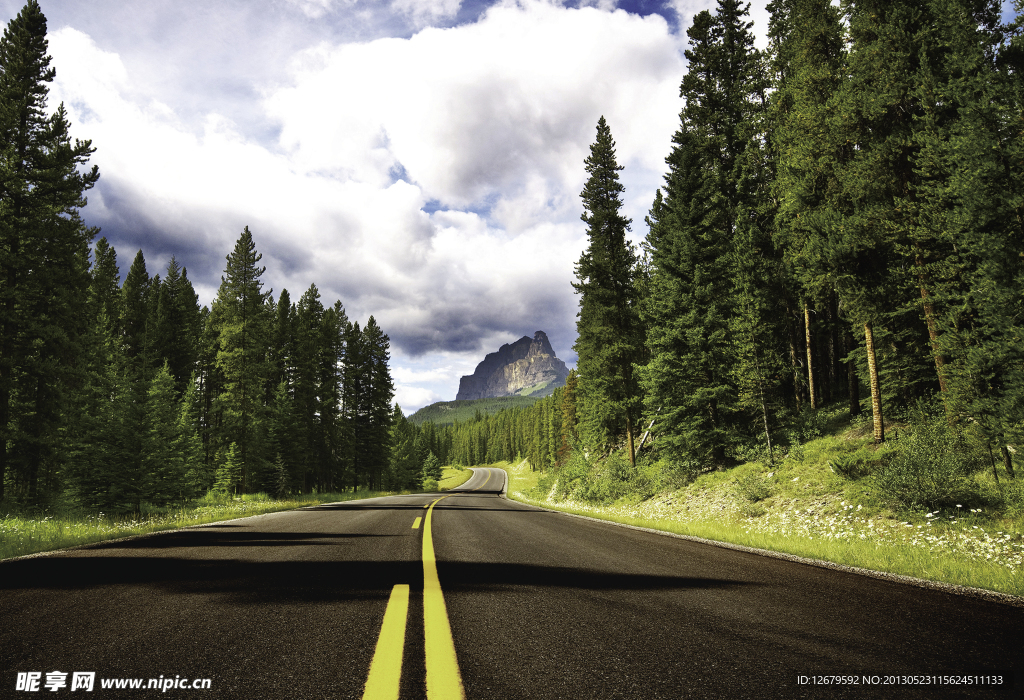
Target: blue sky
420, 160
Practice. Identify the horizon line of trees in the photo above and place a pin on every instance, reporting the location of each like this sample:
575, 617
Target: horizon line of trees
116, 394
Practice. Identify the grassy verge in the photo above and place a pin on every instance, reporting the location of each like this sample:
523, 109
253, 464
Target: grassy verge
801, 507
453, 476
20, 535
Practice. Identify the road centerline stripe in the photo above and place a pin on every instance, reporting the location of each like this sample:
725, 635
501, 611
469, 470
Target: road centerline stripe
444, 681
416, 523
485, 481
386, 668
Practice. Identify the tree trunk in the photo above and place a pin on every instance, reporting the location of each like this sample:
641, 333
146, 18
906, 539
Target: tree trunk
810, 355
933, 334
876, 394
852, 382
1007, 461
629, 440
835, 344
793, 361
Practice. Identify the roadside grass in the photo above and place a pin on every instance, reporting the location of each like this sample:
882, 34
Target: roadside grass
452, 477
801, 506
22, 534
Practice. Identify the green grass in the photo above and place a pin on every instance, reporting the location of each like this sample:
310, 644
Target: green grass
538, 390
800, 506
20, 535
454, 476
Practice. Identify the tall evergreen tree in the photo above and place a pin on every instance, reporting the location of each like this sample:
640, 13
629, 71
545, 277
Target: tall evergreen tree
242, 358
374, 406
178, 325
808, 61
609, 337
44, 249
704, 235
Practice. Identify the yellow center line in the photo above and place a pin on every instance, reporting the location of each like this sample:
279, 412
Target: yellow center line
485, 481
416, 523
386, 667
444, 682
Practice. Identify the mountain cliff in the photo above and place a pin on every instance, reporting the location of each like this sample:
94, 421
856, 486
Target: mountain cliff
524, 367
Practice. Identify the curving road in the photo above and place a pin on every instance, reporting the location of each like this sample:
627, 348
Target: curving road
536, 605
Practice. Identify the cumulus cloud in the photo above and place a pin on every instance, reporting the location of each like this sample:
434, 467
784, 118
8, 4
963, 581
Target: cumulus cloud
504, 107
431, 181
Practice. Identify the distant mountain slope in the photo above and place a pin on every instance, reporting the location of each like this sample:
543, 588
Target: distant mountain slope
525, 367
448, 412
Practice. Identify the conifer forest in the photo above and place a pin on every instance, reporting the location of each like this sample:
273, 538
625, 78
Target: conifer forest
840, 224
841, 221
117, 394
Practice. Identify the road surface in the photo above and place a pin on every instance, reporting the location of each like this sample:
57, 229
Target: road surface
510, 602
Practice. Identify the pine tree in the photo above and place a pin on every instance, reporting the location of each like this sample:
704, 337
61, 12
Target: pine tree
609, 332
44, 250
230, 473
242, 357
808, 62
178, 325
983, 156
162, 458
704, 235
335, 433
375, 405
432, 470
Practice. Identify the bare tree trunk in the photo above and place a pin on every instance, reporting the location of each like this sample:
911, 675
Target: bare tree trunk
643, 438
876, 394
793, 361
933, 334
835, 344
810, 360
629, 440
1007, 461
992, 456
852, 383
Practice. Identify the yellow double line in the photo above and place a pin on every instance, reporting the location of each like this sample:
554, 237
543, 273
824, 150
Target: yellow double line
444, 681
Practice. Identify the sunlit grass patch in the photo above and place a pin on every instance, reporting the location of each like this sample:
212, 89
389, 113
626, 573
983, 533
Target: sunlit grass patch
21, 535
454, 476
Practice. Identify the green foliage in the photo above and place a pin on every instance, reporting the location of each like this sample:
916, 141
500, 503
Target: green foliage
451, 412
931, 465
610, 335
229, 474
44, 253
853, 466
711, 308
432, 471
753, 486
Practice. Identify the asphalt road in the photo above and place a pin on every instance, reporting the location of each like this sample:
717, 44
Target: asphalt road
539, 605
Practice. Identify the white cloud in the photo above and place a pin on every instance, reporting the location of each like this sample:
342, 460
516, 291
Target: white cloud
504, 107
489, 123
424, 12
314, 9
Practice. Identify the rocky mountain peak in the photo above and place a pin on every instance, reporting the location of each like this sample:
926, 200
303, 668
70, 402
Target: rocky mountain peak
527, 365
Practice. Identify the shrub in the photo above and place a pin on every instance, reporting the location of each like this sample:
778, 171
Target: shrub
572, 475
430, 485
929, 465
854, 466
753, 486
